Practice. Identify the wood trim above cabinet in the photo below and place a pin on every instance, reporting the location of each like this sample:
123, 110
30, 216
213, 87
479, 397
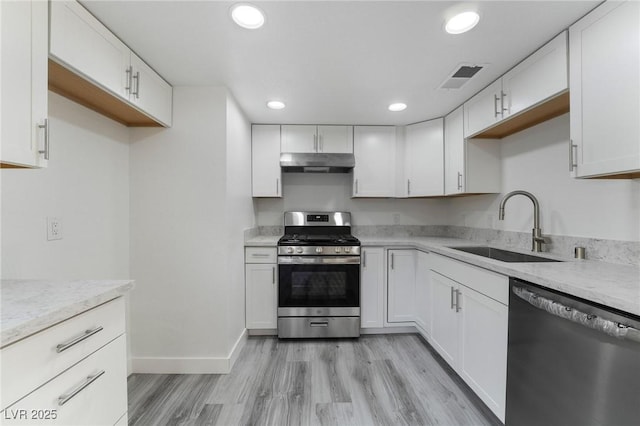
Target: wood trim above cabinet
72, 86
542, 112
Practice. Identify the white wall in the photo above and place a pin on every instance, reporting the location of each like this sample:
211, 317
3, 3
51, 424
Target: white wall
86, 185
321, 191
187, 206
239, 214
536, 160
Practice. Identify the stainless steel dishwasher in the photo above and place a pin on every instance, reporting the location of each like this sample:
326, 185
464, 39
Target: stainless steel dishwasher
570, 362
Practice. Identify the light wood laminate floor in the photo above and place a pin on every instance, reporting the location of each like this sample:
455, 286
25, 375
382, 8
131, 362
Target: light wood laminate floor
373, 380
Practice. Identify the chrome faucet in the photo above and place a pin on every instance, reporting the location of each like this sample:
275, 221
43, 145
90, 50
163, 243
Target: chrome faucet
536, 237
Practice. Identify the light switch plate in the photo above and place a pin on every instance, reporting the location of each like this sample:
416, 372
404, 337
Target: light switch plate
54, 228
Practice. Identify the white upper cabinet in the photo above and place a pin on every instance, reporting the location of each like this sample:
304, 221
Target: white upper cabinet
527, 88
540, 76
266, 175
86, 48
149, 91
483, 110
374, 148
81, 42
298, 138
320, 139
424, 155
605, 91
472, 166
24, 121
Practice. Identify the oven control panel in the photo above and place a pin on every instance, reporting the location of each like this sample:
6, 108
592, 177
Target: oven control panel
319, 250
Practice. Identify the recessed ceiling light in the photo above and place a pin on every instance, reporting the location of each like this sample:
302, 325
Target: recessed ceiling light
275, 105
397, 107
247, 16
462, 22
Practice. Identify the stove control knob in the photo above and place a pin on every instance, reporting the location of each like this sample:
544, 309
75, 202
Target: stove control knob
299, 250
318, 249
338, 250
289, 249
347, 249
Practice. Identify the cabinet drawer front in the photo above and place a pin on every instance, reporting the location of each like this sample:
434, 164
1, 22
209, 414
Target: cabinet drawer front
260, 255
489, 283
31, 362
93, 392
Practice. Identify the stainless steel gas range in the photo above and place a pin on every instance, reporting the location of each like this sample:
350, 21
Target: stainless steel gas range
319, 276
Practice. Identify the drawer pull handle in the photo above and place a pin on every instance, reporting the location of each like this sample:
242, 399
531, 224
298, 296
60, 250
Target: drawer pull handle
319, 323
63, 399
260, 255
88, 333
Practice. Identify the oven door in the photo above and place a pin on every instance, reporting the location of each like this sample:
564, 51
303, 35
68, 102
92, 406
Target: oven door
318, 285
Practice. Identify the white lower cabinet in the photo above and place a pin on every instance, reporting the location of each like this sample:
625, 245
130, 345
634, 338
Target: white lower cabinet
261, 284
423, 293
92, 392
401, 285
372, 287
469, 326
74, 373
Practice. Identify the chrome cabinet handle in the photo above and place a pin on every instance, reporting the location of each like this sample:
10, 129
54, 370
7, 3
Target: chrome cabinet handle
273, 275
129, 72
63, 399
277, 186
88, 333
45, 151
572, 163
260, 255
315, 143
364, 259
356, 186
408, 186
453, 303
459, 181
392, 262
504, 95
137, 79
495, 106
319, 323
458, 307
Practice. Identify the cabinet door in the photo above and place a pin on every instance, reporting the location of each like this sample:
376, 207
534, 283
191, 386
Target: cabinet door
374, 148
262, 303
299, 138
335, 139
372, 288
24, 82
483, 348
605, 89
265, 161
454, 161
483, 110
94, 392
444, 319
423, 292
424, 158
81, 42
401, 286
541, 76
149, 91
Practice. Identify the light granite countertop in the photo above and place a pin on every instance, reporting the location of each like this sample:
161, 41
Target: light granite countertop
29, 306
609, 284
263, 241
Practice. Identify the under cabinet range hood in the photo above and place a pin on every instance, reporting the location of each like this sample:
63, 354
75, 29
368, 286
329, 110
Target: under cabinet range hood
303, 162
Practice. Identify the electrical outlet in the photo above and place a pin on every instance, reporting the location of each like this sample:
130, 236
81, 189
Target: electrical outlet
54, 228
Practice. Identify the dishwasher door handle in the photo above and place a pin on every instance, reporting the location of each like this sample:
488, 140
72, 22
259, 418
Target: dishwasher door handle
610, 328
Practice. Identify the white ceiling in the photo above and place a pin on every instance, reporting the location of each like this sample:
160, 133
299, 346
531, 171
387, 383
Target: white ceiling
335, 62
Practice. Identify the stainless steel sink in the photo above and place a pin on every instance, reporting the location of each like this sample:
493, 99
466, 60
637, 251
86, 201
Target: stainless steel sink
503, 255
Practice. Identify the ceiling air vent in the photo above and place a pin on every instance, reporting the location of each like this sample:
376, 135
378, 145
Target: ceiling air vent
460, 76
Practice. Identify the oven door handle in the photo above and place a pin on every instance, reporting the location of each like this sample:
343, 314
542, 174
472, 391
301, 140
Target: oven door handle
319, 260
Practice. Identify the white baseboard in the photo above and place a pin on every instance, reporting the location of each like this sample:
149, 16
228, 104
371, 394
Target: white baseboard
389, 330
190, 365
